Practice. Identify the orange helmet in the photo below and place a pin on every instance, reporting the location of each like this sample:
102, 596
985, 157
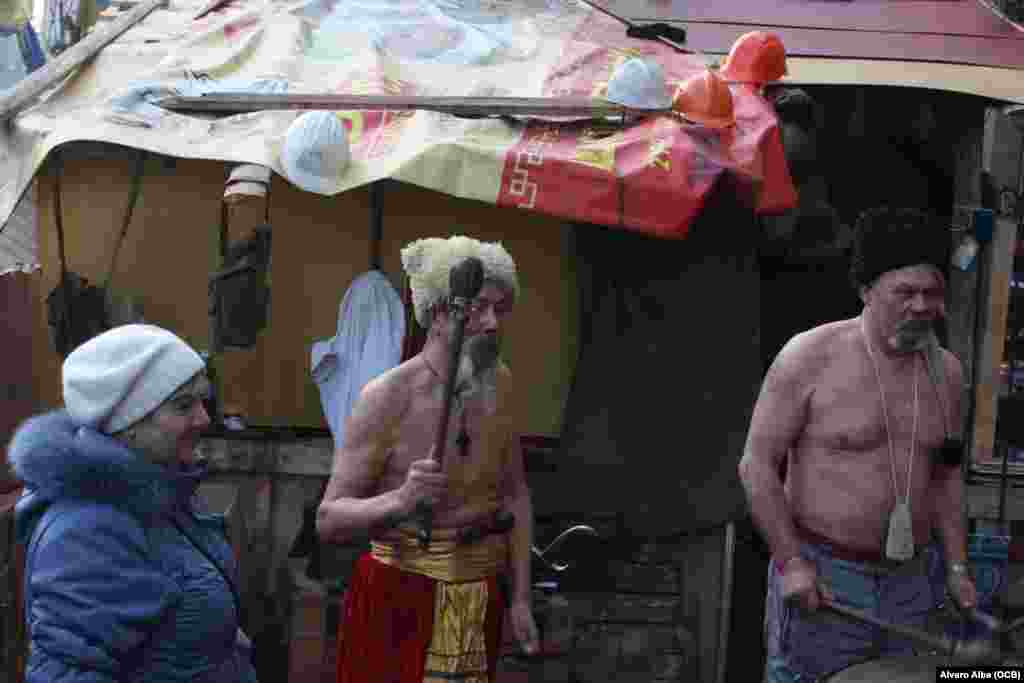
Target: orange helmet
755, 57
705, 98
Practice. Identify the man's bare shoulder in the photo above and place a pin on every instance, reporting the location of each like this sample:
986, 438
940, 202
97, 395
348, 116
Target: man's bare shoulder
387, 396
808, 354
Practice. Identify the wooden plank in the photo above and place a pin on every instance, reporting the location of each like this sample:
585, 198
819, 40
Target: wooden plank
312, 457
962, 293
992, 341
307, 458
288, 497
32, 86
700, 560
556, 107
996, 265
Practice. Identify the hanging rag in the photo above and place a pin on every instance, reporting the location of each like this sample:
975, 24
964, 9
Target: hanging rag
240, 293
371, 326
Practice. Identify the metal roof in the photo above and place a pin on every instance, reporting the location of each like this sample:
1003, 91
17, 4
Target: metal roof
945, 31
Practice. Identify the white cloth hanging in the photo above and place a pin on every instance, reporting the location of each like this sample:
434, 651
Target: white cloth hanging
371, 326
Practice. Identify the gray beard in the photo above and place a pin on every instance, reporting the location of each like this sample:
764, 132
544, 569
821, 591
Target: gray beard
478, 367
912, 338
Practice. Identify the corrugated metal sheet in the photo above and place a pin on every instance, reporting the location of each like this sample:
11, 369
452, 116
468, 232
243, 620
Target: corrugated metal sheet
920, 47
960, 17
951, 31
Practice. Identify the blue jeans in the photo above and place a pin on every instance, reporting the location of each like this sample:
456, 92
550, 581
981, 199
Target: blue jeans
803, 647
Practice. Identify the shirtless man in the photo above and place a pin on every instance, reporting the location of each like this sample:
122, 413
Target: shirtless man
857, 408
414, 614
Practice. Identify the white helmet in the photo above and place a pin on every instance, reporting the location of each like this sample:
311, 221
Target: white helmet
316, 152
639, 84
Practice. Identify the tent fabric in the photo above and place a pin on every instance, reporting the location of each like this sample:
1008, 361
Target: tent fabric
657, 319
371, 327
648, 175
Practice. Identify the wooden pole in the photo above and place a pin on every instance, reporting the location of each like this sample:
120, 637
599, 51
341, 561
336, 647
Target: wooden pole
32, 86
569, 107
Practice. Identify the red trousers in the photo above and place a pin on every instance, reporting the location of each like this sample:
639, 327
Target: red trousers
387, 624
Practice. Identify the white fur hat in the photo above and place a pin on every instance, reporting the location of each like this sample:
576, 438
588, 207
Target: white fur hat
429, 261
117, 378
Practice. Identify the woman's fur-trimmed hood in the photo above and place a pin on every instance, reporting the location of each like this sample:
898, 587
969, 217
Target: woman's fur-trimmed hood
58, 460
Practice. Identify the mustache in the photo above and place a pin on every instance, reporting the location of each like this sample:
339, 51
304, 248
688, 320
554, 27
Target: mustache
916, 326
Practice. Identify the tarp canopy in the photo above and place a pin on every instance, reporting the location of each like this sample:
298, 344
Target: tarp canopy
650, 175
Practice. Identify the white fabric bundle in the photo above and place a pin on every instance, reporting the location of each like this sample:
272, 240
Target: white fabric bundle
371, 327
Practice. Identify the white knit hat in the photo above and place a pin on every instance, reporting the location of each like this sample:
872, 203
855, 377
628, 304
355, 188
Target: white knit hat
119, 377
428, 263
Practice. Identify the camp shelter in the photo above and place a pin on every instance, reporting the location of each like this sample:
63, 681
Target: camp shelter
536, 186
666, 281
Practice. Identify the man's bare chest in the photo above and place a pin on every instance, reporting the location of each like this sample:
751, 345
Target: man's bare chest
475, 445
846, 413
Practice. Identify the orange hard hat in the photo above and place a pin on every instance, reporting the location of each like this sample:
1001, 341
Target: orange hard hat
755, 57
705, 98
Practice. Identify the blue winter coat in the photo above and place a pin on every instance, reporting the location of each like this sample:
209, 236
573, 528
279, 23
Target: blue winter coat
125, 578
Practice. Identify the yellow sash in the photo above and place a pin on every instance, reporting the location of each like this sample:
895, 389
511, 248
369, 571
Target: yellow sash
443, 559
458, 646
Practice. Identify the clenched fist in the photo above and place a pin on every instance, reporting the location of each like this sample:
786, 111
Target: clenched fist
425, 483
800, 583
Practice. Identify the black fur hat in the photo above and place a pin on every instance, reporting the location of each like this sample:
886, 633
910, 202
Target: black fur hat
890, 238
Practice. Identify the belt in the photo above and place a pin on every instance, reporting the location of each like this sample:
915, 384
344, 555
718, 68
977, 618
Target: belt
876, 558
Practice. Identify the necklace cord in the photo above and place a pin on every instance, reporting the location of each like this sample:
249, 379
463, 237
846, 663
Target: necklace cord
885, 414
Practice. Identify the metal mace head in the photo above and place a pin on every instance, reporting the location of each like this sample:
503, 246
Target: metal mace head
465, 280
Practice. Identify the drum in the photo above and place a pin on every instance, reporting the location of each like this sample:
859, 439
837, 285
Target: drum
908, 669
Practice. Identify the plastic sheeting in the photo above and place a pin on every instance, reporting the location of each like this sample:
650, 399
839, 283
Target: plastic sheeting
371, 326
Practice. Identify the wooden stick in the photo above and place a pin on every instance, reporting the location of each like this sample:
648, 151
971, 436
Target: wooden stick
25, 92
628, 24
459, 106
211, 6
